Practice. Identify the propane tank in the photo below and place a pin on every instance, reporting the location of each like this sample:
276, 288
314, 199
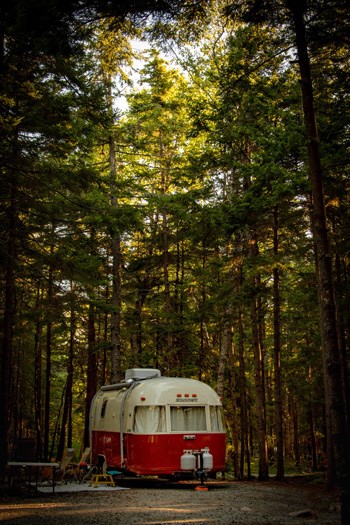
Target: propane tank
188, 460
207, 459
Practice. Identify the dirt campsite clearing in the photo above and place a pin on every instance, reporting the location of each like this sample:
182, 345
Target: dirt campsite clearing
141, 502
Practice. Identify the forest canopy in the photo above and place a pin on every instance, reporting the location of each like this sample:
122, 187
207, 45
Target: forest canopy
175, 195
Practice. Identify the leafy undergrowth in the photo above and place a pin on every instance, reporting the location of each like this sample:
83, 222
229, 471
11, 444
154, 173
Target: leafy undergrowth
301, 473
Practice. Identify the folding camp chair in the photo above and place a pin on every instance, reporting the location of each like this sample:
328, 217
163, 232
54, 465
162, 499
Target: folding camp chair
79, 472
86, 472
66, 464
85, 468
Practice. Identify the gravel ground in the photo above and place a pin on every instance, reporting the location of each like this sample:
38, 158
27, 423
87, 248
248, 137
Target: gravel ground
154, 503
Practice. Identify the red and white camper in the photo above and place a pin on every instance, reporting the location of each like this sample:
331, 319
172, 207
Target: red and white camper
154, 425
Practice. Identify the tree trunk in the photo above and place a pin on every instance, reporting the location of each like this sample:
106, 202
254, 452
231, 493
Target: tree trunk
116, 312
295, 416
260, 397
169, 351
277, 354
57, 428
201, 364
331, 467
48, 361
225, 351
63, 427
116, 275
105, 339
91, 376
66, 425
313, 451
8, 321
37, 382
70, 370
258, 377
245, 450
340, 285
332, 361
234, 417
179, 303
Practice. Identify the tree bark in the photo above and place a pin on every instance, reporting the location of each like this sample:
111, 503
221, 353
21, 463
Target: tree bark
8, 322
70, 370
66, 425
313, 451
277, 354
37, 382
258, 376
48, 361
91, 376
296, 436
116, 275
169, 350
328, 321
339, 285
225, 351
234, 416
245, 450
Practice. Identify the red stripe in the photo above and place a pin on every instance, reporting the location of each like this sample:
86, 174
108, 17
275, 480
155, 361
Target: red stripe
156, 453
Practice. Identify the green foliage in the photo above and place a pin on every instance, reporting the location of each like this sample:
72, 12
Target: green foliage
205, 153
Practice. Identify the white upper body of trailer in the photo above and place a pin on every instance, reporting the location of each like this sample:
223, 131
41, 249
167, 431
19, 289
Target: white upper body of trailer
114, 405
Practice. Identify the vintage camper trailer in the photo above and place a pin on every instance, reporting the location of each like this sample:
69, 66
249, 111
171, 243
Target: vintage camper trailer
154, 425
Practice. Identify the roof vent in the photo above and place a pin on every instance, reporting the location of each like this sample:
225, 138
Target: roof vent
142, 373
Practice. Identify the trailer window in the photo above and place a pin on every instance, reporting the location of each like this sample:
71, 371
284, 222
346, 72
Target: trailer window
103, 408
149, 419
188, 419
217, 420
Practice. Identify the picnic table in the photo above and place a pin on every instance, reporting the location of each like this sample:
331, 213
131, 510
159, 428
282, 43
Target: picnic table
32, 469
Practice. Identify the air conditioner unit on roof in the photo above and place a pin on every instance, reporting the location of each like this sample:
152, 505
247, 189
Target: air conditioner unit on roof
142, 373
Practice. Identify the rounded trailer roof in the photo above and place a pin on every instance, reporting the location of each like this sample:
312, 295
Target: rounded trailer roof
173, 390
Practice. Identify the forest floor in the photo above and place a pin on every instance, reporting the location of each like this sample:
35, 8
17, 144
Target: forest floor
295, 501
